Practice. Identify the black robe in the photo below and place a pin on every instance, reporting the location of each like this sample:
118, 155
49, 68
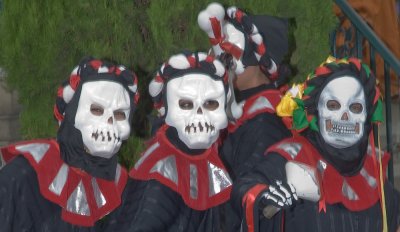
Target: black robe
245, 147
22, 206
152, 206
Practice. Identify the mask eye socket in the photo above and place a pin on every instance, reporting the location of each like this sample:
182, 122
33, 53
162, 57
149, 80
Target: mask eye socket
185, 104
119, 115
211, 105
96, 109
333, 105
356, 108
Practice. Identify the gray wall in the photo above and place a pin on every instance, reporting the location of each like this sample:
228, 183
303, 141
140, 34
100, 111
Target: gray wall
9, 113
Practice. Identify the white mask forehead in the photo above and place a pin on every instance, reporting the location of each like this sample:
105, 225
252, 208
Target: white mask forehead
102, 133
346, 88
340, 126
196, 85
107, 94
197, 126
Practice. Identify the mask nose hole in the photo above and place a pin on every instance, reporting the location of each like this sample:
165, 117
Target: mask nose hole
110, 120
199, 111
345, 116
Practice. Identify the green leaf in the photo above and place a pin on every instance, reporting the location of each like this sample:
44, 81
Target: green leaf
299, 119
378, 114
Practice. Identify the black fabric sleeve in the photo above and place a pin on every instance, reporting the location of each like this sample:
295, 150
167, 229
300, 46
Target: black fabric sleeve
246, 146
268, 169
146, 206
15, 212
392, 197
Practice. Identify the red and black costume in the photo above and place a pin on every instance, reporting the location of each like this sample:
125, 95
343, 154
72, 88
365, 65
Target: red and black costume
348, 203
348, 177
258, 128
249, 137
64, 195
55, 184
175, 188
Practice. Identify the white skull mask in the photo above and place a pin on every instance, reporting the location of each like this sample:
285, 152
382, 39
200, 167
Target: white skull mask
196, 108
103, 117
342, 112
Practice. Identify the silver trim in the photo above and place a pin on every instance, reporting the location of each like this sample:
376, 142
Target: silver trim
117, 174
36, 149
98, 195
370, 180
167, 168
260, 103
193, 181
150, 150
218, 179
2, 162
58, 183
292, 149
348, 192
77, 202
321, 166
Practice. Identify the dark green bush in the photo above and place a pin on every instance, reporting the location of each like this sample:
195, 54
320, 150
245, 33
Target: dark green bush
42, 40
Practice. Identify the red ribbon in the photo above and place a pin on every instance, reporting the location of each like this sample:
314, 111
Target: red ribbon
248, 202
219, 40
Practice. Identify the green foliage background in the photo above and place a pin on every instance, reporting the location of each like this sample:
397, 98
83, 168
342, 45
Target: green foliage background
42, 40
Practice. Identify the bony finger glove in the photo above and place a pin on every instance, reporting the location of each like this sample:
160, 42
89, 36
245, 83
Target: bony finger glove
279, 195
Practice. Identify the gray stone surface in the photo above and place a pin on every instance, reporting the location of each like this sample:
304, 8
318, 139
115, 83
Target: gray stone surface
9, 113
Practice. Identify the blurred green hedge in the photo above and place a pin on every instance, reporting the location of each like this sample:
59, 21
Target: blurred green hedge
42, 40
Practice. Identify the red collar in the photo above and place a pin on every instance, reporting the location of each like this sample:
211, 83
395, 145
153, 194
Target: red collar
356, 193
265, 101
84, 199
201, 180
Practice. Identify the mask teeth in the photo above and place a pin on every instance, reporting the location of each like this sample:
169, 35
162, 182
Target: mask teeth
102, 136
116, 138
342, 129
95, 135
199, 127
108, 136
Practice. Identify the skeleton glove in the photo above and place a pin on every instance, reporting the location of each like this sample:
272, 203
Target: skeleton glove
280, 195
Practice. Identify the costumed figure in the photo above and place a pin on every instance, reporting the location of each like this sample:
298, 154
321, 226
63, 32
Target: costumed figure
180, 178
253, 47
70, 183
330, 176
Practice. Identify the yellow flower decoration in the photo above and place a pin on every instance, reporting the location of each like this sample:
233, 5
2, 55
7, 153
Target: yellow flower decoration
287, 105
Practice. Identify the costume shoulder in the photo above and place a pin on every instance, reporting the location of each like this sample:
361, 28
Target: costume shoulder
246, 146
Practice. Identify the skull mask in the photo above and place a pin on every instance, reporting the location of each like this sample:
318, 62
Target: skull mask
196, 108
342, 112
103, 117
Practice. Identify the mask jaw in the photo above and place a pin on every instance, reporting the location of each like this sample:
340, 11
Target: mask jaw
342, 112
196, 108
102, 117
